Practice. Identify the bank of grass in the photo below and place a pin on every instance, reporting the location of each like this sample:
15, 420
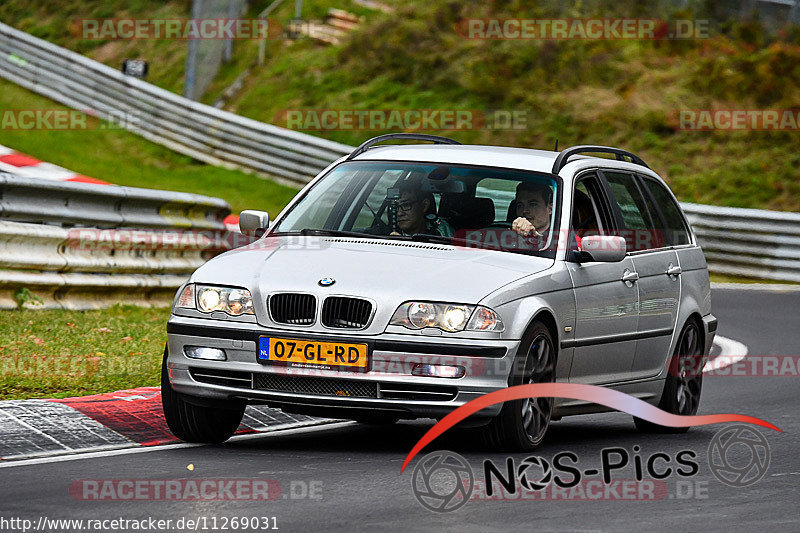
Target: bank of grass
60, 353
608, 92
123, 158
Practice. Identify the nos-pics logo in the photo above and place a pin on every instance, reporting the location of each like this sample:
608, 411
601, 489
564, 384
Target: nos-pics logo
443, 481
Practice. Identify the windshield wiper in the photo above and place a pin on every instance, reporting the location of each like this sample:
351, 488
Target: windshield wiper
427, 237
335, 233
455, 241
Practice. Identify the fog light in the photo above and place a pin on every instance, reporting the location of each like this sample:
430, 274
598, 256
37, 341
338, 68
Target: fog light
438, 371
201, 352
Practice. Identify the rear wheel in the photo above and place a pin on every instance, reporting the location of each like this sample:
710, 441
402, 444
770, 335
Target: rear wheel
195, 423
523, 424
684, 381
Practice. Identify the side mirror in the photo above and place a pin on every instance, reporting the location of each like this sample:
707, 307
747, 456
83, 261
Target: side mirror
600, 248
253, 223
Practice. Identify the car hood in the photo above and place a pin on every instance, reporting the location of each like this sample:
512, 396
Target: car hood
380, 269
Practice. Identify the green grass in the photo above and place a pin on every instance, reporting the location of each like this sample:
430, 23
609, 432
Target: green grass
124, 158
58, 353
622, 93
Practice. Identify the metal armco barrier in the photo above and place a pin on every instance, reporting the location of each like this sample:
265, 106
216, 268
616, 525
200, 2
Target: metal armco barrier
746, 242
200, 131
27, 199
82, 268
80, 246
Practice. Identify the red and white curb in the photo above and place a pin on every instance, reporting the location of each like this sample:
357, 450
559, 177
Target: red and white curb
123, 419
30, 167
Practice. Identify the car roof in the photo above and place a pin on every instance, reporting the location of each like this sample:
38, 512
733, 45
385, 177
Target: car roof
492, 156
466, 154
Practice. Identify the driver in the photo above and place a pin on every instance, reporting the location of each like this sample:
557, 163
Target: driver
416, 213
534, 206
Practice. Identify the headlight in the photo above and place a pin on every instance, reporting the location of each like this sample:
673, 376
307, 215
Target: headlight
207, 299
447, 317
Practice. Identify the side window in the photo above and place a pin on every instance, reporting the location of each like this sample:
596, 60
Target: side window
640, 232
676, 226
590, 211
587, 208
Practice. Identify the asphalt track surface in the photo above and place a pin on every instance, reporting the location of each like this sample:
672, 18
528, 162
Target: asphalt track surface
355, 470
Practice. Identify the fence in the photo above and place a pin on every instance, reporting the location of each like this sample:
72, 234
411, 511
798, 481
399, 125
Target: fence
205, 56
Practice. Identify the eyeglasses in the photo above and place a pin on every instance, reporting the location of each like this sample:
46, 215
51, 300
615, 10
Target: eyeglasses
405, 207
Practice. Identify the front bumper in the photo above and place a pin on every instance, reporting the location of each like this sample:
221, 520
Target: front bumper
388, 387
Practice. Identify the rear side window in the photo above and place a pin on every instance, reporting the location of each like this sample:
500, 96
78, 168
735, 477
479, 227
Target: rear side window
678, 233
640, 231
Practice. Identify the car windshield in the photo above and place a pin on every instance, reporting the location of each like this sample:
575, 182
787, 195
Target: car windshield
493, 208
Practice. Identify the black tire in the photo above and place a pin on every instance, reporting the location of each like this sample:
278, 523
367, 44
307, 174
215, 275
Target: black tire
522, 425
684, 382
195, 423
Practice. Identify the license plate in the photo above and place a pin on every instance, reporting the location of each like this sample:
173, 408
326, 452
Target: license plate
316, 354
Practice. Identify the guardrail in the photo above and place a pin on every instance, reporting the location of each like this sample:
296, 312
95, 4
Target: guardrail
762, 244
748, 242
78, 245
200, 131
26, 199
89, 267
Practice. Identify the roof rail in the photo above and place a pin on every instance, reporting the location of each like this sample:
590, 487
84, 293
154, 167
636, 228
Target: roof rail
563, 157
410, 136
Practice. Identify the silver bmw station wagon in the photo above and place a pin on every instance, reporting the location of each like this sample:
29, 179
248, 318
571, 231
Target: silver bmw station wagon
408, 279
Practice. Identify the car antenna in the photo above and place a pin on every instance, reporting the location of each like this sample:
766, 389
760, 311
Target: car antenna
556, 148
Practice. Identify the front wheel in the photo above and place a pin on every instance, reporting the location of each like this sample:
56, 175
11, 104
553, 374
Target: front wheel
194, 423
684, 381
522, 424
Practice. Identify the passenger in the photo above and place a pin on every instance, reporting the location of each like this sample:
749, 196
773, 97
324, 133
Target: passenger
416, 213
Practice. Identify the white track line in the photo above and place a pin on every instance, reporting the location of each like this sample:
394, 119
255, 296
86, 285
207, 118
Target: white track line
772, 287
181, 445
731, 352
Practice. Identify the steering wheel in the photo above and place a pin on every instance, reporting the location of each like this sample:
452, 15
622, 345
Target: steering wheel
506, 225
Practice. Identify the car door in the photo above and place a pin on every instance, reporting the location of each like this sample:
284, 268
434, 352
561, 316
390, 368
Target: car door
606, 305
656, 262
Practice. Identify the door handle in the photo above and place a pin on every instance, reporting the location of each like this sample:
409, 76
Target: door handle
629, 276
674, 270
